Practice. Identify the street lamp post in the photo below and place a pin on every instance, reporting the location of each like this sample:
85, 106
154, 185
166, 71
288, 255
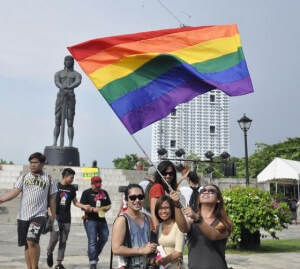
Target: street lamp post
245, 124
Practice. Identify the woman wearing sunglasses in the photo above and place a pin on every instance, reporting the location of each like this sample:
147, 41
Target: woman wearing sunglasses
160, 188
207, 229
131, 231
170, 238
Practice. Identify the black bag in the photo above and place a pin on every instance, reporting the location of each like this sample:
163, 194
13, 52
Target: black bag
47, 227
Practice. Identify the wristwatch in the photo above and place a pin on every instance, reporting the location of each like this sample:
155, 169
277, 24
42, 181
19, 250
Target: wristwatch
198, 220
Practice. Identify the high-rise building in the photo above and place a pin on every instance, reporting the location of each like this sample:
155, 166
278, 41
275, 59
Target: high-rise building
197, 126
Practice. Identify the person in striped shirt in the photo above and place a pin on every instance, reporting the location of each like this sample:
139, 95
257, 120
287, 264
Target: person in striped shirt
37, 189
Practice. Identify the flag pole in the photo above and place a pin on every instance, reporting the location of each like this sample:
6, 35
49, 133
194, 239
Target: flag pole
147, 157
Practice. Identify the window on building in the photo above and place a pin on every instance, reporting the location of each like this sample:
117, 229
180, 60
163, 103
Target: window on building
212, 98
212, 129
173, 143
173, 113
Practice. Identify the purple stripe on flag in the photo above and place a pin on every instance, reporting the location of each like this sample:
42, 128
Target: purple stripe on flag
161, 107
234, 88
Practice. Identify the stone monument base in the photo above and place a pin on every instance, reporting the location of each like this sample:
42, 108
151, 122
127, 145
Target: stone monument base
64, 156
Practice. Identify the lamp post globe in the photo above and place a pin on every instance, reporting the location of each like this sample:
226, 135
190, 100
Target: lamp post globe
245, 124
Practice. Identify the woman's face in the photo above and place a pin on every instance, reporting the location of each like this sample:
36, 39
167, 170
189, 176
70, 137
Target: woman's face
208, 195
169, 174
135, 199
164, 211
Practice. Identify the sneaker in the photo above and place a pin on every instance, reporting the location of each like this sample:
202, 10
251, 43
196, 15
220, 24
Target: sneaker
50, 259
93, 266
60, 266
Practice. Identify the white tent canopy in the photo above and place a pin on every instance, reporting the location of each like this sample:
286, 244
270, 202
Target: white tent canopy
280, 169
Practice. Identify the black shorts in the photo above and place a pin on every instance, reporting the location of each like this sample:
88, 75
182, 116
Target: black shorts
30, 230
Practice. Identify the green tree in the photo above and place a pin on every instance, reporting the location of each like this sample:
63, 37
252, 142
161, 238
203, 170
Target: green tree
264, 154
5, 162
130, 161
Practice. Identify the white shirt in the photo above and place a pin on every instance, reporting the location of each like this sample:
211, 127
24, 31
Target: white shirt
187, 191
34, 200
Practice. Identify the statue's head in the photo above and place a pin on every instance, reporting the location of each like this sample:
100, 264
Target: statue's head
69, 61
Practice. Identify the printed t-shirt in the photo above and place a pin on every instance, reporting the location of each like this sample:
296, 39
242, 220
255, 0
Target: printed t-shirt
66, 194
95, 199
34, 199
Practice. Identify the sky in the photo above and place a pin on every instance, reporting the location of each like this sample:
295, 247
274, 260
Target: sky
34, 37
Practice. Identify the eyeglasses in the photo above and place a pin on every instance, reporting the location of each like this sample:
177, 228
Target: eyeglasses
209, 191
168, 173
164, 208
134, 197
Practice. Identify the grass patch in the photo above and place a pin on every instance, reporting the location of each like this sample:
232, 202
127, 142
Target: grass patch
268, 246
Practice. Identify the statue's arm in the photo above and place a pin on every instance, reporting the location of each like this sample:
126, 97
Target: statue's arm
57, 81
76, 83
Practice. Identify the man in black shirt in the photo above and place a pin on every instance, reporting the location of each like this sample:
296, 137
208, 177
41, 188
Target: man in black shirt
65, 196
94, 221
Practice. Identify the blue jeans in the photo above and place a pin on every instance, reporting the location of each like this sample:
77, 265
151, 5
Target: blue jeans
97, 234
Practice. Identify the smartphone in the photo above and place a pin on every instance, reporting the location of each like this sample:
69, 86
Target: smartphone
153, 237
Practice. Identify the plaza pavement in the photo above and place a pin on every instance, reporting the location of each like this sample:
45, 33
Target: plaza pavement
12, 257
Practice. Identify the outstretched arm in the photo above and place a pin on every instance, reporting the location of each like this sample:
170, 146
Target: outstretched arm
183, 177
80, 205
10, 195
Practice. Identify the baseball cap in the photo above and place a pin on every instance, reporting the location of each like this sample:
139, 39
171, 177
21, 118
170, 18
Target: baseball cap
96, 181
151, 171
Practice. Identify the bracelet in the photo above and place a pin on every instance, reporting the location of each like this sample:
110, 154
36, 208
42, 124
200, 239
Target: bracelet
179, 205
198, 220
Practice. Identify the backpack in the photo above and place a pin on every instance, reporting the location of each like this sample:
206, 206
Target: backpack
146, 203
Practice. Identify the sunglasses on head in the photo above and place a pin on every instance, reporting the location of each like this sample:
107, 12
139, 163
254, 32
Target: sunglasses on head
168, 173
209, 191
134, 197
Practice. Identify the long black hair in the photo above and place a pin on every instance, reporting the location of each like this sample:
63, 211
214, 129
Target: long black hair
162, 168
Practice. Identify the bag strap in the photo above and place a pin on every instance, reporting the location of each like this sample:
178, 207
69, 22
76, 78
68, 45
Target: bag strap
127, 240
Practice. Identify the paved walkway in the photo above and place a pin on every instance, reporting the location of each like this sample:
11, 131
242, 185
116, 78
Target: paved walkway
12, 257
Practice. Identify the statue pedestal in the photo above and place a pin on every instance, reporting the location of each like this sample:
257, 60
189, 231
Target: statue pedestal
64, 156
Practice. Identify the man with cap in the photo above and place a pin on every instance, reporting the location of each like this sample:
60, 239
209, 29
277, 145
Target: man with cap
94, 220
146, 184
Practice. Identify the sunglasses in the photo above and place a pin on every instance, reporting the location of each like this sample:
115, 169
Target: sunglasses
134, 197
209, 191
168, 173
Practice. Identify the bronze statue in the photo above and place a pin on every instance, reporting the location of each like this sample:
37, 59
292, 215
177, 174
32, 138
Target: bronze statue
66, 80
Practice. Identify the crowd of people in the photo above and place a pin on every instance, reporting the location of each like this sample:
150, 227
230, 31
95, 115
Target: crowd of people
156, 219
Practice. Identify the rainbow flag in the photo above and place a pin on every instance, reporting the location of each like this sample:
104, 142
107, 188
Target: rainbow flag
143, 76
